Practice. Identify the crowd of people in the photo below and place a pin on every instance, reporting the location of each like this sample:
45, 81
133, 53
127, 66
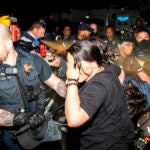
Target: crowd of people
89, 72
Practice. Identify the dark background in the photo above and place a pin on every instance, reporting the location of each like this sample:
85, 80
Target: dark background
25, 7
28, 10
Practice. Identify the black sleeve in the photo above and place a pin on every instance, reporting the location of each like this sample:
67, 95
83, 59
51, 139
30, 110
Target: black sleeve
42, 67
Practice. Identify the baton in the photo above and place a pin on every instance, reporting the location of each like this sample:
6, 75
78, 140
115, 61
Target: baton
22, 129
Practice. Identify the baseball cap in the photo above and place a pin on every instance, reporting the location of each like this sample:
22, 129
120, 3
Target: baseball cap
124, 42
85, 26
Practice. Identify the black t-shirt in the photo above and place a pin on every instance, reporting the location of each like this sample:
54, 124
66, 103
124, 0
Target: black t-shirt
102, 97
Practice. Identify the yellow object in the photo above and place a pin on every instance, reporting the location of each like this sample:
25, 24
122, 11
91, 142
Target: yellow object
5, 20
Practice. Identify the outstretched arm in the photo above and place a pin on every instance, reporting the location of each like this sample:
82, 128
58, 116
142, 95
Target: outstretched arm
57, 84
34, 119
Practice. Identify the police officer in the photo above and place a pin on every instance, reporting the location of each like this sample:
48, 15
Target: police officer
21, 74
30, 39
111, 39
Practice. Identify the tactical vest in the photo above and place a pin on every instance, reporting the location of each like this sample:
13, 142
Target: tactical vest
20, 91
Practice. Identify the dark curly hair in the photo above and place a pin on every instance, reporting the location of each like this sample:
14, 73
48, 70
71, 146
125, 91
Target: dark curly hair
136, 100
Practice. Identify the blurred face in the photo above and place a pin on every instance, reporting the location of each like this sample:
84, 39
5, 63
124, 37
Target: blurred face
39, 32
142, 36
110, 33
84, 72
86, 33
57, 29
94, 27
66, 31
83, 34
126, 49
139, 24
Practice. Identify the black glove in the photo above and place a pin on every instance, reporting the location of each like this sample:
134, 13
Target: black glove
34, 119
19, 119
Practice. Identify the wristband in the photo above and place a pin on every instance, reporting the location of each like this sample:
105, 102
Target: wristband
71, 79
72, 83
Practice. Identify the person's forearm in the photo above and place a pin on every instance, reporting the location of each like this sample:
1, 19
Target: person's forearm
56, 84
6, 118
61, 88
72, 105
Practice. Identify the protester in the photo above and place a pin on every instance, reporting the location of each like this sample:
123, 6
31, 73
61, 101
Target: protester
98, 108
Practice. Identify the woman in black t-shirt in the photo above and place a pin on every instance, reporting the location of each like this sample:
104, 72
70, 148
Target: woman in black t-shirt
98, 108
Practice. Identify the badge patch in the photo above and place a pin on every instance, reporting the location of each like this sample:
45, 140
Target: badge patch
27, 68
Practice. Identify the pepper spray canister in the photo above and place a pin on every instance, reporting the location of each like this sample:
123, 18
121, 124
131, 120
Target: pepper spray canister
42, 50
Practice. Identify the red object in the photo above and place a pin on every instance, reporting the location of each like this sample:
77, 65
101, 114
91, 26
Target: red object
13, 29
147, 139
42, 50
